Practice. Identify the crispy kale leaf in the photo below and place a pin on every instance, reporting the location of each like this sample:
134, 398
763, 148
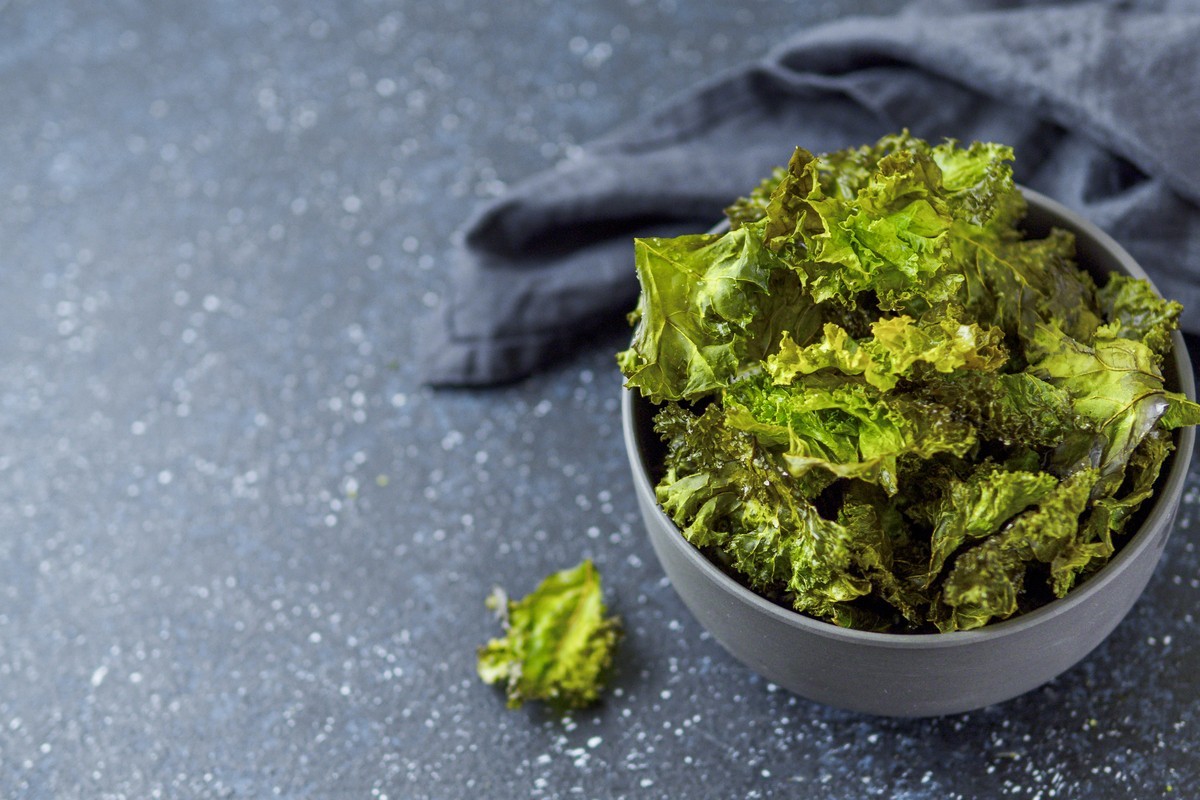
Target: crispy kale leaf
986, 581
1116, 385
891, 238
975, 508
1109, 514
558, 641
886, 553
845, 427
702, 315
730, 495
1018, 284
1134, 311
896, 346
1009, 408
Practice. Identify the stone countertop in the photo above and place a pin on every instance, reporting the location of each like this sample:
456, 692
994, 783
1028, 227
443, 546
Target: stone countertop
244, 553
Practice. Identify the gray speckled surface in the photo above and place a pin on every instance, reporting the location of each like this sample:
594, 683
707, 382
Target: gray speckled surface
243, 553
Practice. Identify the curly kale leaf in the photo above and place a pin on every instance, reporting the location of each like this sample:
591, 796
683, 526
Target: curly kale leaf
978, 180
1009, 408
977, 507
729, 494
844, 173
1019, 284
886, 552
987, 580
896, 346
1181, 412
558, 642
1116, 385
891, 238
1135, 311
879, 218
703, 312
843, 426
1109, 515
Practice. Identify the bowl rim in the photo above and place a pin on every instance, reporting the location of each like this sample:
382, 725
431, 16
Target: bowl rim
1159, 516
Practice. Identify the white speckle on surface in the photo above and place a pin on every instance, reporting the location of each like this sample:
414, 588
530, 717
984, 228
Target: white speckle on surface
98, 676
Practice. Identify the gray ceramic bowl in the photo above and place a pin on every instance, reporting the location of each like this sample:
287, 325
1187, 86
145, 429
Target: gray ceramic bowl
922, 674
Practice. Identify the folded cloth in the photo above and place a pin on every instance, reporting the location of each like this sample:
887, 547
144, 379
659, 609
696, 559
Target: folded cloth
1101, 103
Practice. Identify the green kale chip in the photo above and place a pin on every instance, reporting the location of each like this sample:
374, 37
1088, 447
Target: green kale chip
1109, 514
979, 506
896, 346
891, 238
846, 427
1008, 408
703, 313
730, 495
1117, 386
558, 641
1019, 284
987, 581
886, 406
1135, 311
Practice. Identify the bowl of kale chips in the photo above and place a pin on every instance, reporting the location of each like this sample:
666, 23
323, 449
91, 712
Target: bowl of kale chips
907, 439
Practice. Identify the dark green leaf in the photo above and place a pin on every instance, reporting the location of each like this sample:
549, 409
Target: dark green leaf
1017, 284
1009, 408
1109, 514
729, 494
1134, 311
987, 580
843, 426
976, 508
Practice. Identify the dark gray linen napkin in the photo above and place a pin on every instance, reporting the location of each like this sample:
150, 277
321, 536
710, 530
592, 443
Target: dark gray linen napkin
1101, 102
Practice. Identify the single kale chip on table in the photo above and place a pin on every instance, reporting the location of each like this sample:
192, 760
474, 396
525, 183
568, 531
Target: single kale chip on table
558, 642
884, 405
